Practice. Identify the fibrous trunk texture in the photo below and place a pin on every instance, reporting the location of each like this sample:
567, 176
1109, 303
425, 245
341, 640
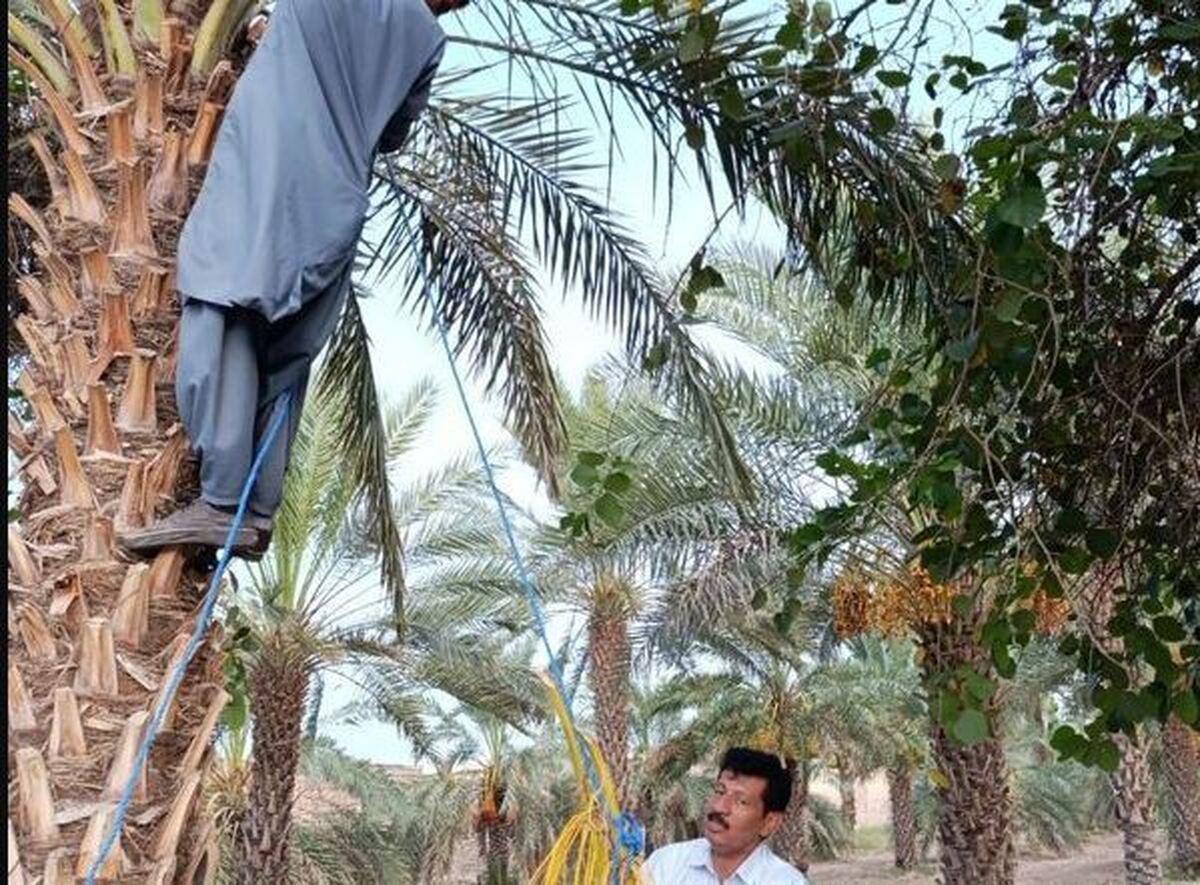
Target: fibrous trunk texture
849, 810
278, 692
1181, 762
494, 849
974, 818
608, 677
94, 638
1132, 782
791, 840
904, 819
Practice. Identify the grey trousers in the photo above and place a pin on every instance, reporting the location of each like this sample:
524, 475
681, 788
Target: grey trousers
233, 370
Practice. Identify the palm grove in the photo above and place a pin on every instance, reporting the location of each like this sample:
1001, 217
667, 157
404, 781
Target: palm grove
970, 476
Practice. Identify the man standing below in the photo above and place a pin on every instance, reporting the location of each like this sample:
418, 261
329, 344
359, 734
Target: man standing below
747, 805
266, 254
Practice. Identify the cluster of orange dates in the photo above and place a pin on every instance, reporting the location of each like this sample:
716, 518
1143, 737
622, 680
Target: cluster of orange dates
889, 609
893, 608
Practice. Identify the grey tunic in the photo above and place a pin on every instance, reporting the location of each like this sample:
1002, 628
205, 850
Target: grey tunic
266, 254
284, 198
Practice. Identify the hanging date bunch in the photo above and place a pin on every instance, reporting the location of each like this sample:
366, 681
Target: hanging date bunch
888, 607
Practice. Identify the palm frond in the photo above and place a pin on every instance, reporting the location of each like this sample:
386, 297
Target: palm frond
625, 68
447, 233
348, 380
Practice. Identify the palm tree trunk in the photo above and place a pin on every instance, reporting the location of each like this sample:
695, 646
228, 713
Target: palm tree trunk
92, 637
791, 840
904, 819
1131, 782
278, 689
608, 677
974, 821
1181, 760
498, 840
849, 811
1134, 808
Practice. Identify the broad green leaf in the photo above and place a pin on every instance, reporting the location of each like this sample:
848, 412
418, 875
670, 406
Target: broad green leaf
610, 511
894, 79
1074, 560
1103, 542
979, 688
584, 476
1186, 706
656, 356
618, 482
878, 357
1024, 206
882, 121
1108, 757
791, 35
1169, 629
970, 727
867, 56
806, 535
947, 166
1063, 76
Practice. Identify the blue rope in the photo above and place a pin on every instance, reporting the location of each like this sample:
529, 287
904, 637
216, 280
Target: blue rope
202, 622
630, 835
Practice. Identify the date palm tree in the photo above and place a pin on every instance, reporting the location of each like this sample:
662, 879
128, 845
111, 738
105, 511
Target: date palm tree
309, 607
1181, 761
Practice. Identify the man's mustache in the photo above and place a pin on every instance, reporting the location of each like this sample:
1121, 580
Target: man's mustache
718, 818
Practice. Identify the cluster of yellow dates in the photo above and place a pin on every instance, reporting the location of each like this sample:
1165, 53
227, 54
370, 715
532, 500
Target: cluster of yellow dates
893, 608
889, 609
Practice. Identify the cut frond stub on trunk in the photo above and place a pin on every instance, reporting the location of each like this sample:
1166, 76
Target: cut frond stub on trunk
148, 105
97, 669
20, 706
125, 759
21, 561
204, 132
101, 435
66, 728
131, 231
169, 184
76, 490
35, 633
137, 413
36, 800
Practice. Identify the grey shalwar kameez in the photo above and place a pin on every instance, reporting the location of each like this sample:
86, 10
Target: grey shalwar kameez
266, 254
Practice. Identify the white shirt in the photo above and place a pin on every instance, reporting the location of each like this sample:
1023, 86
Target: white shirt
690, 863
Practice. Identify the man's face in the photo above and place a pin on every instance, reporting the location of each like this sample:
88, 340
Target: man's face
735, 815
440, 7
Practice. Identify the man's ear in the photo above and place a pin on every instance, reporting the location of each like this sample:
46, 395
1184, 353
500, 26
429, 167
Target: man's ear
771, 823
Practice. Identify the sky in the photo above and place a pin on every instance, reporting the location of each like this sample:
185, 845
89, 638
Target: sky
405, 352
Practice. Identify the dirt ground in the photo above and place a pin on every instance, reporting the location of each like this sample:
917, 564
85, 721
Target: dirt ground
1098, 863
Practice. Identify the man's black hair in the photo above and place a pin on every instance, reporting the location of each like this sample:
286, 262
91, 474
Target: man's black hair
745, 762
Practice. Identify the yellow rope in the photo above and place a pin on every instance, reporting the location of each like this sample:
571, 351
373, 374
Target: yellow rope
582, 853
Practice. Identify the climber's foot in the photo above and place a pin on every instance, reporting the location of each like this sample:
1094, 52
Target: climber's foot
263, 526
198, 524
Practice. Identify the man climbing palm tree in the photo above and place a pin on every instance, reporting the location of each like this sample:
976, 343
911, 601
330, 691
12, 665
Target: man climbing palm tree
266, 254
